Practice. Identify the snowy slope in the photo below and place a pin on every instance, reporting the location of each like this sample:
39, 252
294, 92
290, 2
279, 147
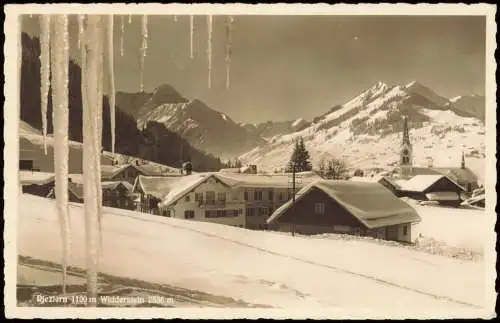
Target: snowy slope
260, 267
366, 132
270, 129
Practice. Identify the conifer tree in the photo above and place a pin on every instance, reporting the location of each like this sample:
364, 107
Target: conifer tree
300, 157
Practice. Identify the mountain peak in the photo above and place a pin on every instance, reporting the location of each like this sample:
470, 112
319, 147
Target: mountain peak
167, 93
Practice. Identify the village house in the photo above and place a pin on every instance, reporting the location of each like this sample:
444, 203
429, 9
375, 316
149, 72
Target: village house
36, 183
200, 197
129, 172
114, 194
264, 193
117, 195
439, 188
349, 207
32, 156
244, 200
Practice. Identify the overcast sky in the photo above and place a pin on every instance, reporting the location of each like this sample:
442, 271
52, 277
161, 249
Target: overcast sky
285, 67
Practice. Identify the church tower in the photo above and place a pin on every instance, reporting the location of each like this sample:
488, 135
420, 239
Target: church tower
405, 162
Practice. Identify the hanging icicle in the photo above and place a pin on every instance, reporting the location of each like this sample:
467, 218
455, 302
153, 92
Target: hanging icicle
191, 31
111, 82
144, 47
92, 127
229, 40
59, 55
175, 18
122, 34
44, 72
129, 18
80, 30
209, 50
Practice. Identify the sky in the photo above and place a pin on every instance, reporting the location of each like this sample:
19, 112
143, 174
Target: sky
286, 67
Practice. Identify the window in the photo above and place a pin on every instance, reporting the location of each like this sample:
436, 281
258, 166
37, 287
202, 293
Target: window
221, 213
319, 208
257, 195
246, 196
210, 197
264, 211
198, 196
189, 214
25, 164
405, 229
271, 195
221, 196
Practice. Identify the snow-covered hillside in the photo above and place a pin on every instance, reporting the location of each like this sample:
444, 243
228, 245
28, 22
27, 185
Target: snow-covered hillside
259, 267
270, 129
367, 131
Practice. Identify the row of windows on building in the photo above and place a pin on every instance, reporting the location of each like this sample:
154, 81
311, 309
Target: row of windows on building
210, 196
189, 214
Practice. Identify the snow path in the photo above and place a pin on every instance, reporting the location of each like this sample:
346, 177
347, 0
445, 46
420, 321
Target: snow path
291, 272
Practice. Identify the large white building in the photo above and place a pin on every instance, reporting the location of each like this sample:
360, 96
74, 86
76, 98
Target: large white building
244, 200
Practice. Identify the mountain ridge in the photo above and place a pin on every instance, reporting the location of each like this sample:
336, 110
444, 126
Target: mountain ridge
366, 130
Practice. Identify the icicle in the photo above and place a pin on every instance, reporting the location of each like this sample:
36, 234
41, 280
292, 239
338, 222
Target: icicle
191, 31
60, 66
92, 90
129, 19
80, 30
144, 47
229, 40
175, 18
44, 72
209, 50
111, 81
122, 34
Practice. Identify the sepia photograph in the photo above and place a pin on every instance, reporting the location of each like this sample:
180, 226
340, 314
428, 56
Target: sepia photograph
238, 161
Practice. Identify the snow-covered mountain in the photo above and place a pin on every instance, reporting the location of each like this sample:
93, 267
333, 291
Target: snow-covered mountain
203, 127
270, 129
469, 106
366, 131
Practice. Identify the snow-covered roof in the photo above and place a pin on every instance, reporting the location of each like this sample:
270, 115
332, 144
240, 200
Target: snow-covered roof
420, 183
372, 204
267, 180
229, 170
167, 188
114, 184
37, 178
374, 179
458, 173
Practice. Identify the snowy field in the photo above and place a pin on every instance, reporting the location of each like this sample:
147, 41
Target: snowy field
462, 228
260, 267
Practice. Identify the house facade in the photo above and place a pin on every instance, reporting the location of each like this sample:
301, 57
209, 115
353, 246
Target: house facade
243, 200
117, 195
209, 200
347, 207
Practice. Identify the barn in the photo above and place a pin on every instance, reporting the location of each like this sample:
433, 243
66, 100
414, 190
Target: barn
361, 208
438, 188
